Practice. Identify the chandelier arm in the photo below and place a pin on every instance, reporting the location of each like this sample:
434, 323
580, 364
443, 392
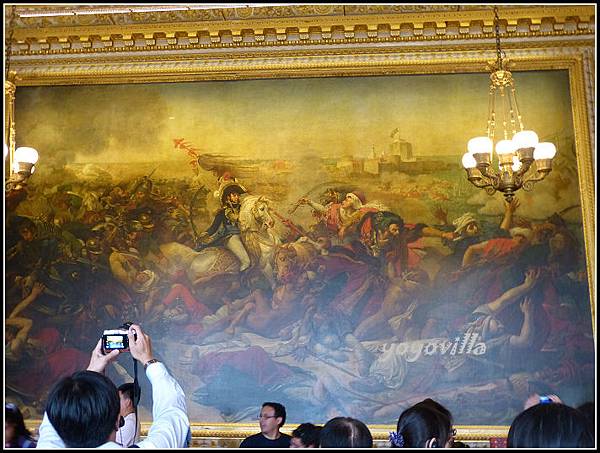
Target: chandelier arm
489, 187
14, 181
488, 179
534, 179
525, 166
481, 183
489, 173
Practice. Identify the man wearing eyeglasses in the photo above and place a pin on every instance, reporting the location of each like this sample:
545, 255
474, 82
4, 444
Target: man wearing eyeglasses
270, 419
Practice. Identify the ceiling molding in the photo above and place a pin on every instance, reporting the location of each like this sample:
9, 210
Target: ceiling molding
282, 26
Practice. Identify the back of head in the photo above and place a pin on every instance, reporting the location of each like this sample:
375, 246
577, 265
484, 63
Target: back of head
83, 409
422, 425
14, 417
279, 411
549, 426
346, 432
428, 402
130, 391
588, 410
308, 433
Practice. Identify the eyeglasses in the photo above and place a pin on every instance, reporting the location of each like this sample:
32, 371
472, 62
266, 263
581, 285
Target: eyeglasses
265, 416
453, 432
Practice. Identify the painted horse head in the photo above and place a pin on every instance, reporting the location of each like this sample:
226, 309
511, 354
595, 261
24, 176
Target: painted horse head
292, 259
255, 214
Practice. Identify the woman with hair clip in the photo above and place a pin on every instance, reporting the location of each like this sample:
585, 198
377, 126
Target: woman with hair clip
549, 424
423, 426
16, 435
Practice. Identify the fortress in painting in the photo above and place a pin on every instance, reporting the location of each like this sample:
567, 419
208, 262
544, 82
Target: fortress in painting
399, 157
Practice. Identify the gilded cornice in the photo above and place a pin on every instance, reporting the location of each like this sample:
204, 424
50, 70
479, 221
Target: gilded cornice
324, 63
88, 15
292, 26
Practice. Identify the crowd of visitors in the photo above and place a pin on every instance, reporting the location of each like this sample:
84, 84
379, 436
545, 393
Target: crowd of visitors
86, 409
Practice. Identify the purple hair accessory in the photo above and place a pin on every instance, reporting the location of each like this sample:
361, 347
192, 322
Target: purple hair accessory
396, 439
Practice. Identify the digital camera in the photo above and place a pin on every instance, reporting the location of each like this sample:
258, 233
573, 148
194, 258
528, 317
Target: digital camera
116, 338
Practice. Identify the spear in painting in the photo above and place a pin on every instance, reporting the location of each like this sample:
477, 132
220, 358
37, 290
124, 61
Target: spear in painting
318, 186
291, 225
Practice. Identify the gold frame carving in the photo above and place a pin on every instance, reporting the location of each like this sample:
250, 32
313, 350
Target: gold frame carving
238, 431
47, 56
286, 26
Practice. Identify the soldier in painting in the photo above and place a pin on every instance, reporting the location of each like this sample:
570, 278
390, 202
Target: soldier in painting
225, 229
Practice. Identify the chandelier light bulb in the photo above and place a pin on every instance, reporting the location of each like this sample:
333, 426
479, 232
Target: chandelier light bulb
525, 139
26, 154
505, 147
32, 169
544, 150
468, 160
479, 145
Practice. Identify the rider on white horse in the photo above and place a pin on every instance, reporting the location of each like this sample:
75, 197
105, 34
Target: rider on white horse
225, 228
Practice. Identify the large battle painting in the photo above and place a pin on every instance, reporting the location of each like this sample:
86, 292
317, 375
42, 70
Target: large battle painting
308, 241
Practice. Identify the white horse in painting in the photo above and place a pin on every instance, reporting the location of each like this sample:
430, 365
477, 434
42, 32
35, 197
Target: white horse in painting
256, 227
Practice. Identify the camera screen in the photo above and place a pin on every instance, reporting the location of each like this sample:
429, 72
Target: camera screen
115, 342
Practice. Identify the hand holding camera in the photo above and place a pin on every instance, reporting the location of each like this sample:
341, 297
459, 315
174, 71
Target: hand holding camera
140, 345
99, 359
128, 338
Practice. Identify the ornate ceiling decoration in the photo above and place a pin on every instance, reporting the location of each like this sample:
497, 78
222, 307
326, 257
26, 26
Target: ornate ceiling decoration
125, 28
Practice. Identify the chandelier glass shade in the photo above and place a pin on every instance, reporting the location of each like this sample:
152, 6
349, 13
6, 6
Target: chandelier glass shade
25, 159
516, 149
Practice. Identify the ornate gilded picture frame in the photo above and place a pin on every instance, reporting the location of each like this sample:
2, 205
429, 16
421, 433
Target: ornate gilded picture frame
161, 133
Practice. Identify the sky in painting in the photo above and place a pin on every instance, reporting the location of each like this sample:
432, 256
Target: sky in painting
279, 118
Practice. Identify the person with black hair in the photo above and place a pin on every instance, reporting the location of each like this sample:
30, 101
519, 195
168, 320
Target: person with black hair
452, 443
428, 402
427, 424
82, 410
129, 433
345, 432
16, 434
306, 435
271, 419
588, 410
549, 425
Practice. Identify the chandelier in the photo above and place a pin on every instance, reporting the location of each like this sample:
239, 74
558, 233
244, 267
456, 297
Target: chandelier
515, 155
21, 162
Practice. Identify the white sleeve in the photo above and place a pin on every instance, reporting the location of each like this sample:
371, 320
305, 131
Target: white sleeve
48, 438
125, 434
170, 424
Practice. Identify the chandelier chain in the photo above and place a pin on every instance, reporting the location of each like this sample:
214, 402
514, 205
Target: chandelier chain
497, 30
